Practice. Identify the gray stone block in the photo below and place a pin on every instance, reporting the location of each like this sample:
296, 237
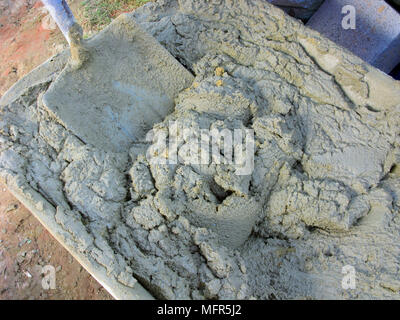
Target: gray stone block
376, 37
302, 9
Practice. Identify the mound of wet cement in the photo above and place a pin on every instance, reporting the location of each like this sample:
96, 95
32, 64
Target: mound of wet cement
323, 194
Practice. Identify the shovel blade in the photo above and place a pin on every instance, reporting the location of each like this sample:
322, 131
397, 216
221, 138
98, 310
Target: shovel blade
128, 84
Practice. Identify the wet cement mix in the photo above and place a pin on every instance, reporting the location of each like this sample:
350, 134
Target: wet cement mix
315, 217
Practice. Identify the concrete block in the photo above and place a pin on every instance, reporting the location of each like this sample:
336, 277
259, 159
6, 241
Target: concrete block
302, 9
376, 37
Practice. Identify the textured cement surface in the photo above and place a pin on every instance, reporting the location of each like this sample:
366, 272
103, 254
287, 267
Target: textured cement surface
324, 192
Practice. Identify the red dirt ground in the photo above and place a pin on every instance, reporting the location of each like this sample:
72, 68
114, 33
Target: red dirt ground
27, 38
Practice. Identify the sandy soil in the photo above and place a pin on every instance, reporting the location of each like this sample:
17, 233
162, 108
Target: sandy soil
26, 244
27, 38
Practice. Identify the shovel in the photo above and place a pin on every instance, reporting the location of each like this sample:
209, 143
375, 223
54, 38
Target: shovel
116, 85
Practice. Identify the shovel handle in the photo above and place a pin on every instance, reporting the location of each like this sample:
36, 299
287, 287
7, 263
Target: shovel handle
62, 15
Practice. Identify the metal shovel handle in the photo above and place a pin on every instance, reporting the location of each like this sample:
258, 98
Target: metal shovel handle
71, 30
62, 15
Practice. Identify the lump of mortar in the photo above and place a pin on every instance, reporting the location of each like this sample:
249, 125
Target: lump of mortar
94, 181
299, 203
209, 196
323, 192
142, 180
